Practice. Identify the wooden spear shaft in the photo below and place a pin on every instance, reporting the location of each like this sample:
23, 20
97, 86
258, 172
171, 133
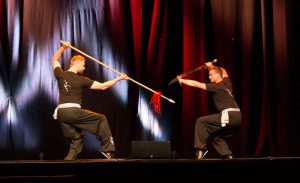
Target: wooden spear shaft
112, 69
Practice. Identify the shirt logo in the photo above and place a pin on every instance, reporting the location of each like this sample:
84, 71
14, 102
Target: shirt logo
66, 86
229, 92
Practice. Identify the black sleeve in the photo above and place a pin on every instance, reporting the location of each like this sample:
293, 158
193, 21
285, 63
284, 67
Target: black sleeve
211, 87
87, 82
57, 72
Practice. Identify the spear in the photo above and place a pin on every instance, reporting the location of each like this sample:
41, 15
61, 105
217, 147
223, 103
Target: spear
110, 68
190, 72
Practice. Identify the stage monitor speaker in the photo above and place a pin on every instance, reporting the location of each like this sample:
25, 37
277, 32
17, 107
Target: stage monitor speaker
151, 150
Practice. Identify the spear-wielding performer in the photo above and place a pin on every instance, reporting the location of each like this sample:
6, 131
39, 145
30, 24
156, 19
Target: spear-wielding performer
190, 72
73, 119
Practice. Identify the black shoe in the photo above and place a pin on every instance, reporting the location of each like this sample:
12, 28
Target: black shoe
228, 156
107, 155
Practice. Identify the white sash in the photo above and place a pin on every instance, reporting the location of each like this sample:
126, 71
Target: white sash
225, 116
65, 105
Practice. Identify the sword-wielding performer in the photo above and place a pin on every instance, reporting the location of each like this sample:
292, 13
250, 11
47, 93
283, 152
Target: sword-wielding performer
74, 120
216, 127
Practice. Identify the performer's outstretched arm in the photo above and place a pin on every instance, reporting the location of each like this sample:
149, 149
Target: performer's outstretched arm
103, 86
192, 83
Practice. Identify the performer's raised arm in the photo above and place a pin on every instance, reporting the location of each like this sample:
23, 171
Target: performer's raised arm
58, 53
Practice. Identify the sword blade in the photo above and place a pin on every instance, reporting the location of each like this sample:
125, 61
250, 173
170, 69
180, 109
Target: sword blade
190, 72
186, 74
173, 81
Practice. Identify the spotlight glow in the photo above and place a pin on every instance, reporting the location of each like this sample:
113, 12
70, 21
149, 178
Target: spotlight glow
3, 97
148, 119
11, 112
121, 88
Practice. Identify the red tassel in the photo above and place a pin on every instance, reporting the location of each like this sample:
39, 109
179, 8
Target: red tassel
155, 101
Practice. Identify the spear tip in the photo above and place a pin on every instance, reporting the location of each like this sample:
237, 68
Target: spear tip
172, 101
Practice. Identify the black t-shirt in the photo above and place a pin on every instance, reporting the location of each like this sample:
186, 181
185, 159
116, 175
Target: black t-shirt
222, 94
71, 85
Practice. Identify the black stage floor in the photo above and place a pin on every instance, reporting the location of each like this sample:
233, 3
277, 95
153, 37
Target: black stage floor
157, 170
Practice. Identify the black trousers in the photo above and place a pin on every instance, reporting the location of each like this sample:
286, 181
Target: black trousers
74, 121
208, 128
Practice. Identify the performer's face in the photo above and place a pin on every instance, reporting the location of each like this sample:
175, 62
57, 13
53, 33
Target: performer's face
214, 76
